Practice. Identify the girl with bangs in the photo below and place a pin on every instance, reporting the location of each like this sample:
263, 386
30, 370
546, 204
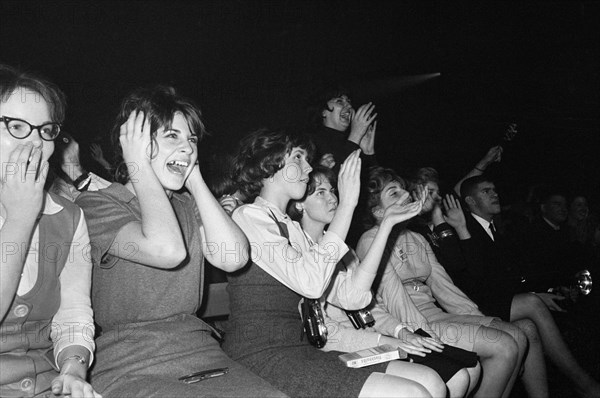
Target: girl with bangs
149, 240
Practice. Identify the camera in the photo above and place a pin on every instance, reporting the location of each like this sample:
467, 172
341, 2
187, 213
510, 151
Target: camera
361, 319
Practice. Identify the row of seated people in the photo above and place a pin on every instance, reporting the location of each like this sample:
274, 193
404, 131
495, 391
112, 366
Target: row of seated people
141, 270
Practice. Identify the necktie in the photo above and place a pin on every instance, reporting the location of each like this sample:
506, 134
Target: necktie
493, 230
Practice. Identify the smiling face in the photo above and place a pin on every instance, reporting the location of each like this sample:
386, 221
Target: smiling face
320, 206
340, 115
176, 154
34, 110
290, 181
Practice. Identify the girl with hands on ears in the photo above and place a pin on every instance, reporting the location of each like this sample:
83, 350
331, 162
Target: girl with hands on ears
150, 239
46, 319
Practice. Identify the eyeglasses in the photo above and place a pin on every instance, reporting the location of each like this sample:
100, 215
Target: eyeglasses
20, 129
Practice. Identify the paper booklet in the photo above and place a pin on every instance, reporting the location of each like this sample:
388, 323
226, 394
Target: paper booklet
371, 356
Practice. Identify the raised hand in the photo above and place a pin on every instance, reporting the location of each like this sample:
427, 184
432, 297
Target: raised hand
96, 152
135, 139
367, 143
361, 120
22, 190
402, 210
349, 180
98, 156
454, 213
494, 154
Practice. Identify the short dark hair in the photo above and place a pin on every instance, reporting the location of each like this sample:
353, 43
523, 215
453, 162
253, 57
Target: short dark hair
12, 79
318, 102
469, 186
315, 177
379, 177
159, 104
424, 175
261, 154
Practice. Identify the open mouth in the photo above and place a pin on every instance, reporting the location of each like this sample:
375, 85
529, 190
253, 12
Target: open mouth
178, 166
346, 116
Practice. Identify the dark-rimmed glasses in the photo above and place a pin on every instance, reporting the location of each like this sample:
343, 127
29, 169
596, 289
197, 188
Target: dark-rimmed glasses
20, 129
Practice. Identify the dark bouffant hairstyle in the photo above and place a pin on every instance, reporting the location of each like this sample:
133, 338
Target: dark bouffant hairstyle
316, 176
159, 104
261, 154
379, 177
318, 103
12, 79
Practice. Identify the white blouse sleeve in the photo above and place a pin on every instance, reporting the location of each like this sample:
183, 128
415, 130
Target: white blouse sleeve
304, 268
73, 323
348, 290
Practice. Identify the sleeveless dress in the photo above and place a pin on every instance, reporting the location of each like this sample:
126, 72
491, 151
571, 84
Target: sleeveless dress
148, 333
263, 333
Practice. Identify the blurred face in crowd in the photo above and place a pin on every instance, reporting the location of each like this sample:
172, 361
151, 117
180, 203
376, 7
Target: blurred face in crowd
433, 197
340, 115
34, 110
177, 153
484, 201
554, 209
579, 209
320, 206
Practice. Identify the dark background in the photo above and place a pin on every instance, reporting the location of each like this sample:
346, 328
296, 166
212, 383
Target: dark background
254, 63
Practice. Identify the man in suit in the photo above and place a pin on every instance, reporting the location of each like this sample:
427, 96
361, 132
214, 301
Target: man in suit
550, 256
494, 281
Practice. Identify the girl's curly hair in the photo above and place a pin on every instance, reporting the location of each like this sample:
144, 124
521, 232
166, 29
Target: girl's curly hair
379, 177
159, 104
261, 154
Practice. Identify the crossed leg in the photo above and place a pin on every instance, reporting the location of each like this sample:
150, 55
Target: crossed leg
528, 305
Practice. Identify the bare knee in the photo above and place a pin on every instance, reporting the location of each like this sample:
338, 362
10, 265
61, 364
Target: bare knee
498, 345
531, 305
461, 379
434, 383
385, 385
